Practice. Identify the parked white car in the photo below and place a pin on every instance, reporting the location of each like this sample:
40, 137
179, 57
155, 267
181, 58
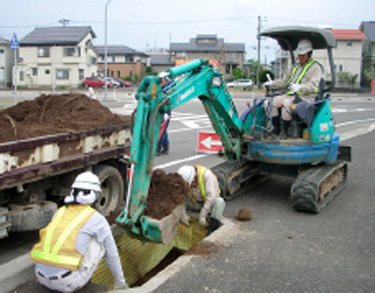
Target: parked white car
246, 84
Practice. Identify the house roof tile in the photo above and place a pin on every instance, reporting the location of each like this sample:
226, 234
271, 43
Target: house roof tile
56, 36
118, 50
348, 34
161, 59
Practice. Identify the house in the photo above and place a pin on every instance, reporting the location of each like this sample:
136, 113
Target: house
122, 61
347, 55
368, 61
6, 57
57, 57
227, 56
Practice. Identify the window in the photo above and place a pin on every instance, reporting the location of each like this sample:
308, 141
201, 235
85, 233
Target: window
113, 59
43, 52
227, 69
46, 71
81, 74
34, 71
119, 73
1, 51
22, 75
72, 51
349, 44
92, 60
62, 74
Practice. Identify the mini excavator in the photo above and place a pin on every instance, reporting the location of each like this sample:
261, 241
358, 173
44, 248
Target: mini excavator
313, 155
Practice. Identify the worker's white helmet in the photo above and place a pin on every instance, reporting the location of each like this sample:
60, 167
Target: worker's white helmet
187, 173
304, 46
85, 189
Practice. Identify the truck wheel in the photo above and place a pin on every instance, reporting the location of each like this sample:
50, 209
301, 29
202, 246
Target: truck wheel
112, 184
30, 217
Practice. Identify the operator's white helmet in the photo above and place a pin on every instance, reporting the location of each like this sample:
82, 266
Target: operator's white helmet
304, 46
85, 189
187, 173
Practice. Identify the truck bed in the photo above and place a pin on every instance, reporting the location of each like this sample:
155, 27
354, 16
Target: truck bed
25, 161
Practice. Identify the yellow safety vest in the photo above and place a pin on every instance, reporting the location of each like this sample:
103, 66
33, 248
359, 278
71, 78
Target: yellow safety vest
57, 241
202, 188
301, 75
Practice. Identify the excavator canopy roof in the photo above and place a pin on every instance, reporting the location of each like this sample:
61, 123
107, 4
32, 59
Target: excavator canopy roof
289, 36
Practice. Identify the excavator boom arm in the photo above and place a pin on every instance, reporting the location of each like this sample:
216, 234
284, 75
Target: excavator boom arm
197, 79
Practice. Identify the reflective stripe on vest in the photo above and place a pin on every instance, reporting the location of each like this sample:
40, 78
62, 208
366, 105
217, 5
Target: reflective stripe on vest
202, 188
58, 249
301, 75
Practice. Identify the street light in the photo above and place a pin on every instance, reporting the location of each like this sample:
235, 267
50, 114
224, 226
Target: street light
105, 54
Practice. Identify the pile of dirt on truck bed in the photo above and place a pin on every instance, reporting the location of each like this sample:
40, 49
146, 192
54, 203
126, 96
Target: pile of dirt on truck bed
52, 114
166, 192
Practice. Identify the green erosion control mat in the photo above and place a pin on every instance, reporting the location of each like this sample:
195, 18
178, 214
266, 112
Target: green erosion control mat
138, 258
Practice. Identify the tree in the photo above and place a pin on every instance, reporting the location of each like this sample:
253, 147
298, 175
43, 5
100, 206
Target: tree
263, 75
237, 73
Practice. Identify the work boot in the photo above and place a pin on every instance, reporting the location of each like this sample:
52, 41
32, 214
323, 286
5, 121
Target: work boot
159, 152
165, 150
276, 125
214, 224
284, 129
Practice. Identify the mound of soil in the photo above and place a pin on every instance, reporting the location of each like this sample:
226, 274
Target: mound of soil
165, 193
52, 114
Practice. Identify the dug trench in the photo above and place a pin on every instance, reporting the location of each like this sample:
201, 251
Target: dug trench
51, 114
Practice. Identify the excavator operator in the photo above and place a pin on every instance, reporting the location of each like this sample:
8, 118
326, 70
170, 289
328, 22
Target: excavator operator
302, 80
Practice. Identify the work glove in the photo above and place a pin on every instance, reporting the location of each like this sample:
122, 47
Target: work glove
166, 116
120, 286
268, 83
295, 88
202, 220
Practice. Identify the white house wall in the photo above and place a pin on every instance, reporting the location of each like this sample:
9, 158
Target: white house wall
6, 57
47, 67
346, 58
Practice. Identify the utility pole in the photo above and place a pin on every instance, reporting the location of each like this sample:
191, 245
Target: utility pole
259, 46
105, 55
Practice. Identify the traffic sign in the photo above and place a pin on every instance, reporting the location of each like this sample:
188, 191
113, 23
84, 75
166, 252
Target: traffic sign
14, 45
209, 142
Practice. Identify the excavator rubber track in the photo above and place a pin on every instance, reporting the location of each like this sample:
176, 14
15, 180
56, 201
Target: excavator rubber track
236, 177
317, 186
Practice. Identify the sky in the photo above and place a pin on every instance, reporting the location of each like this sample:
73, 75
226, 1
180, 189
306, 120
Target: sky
148, 24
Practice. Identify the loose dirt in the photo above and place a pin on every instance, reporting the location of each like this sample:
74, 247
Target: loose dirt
53, 114
165, 193
244, 215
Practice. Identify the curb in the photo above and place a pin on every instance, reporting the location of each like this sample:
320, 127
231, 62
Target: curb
217, 237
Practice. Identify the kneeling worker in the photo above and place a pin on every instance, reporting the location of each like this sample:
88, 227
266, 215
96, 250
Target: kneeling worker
205, 195
75, 240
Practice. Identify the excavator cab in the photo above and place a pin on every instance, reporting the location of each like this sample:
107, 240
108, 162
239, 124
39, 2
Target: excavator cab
312, 122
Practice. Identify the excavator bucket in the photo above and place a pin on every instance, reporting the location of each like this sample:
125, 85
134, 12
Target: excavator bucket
161, 231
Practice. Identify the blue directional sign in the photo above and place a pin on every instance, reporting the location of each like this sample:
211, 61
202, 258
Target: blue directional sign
14, 45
